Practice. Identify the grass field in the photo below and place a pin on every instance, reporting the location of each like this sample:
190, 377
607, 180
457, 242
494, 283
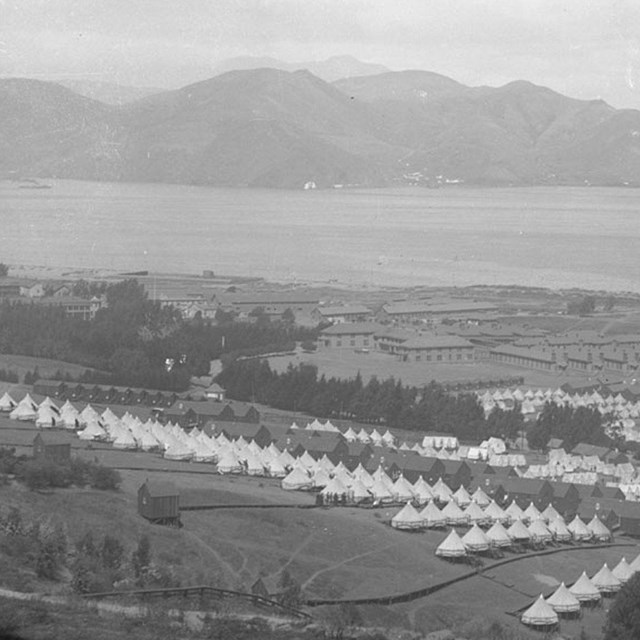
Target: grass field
333, 553
46, 367
346, 364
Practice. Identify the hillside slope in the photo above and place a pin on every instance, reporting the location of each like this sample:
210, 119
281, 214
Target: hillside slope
274, 128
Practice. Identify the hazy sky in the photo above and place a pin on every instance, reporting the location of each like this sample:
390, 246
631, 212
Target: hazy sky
584, 48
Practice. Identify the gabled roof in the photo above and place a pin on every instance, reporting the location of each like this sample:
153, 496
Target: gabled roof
351, 329
353, 309
435, 342
53, 438
160, 488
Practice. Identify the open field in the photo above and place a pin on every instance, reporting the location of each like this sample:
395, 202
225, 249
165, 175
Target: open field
333, 553
345, 363
46, 367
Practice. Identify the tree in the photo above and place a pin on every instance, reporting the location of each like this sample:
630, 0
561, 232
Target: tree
288, 316
623, 621
4, 270
582, 307
291, 590
141, 557
111, 552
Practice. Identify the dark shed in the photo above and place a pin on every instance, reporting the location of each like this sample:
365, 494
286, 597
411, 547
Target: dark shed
53, 446
159, 502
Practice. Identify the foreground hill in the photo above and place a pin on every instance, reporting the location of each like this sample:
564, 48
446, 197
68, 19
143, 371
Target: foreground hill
274, 128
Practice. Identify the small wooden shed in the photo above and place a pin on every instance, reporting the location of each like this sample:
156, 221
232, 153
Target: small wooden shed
53, 446
159, 502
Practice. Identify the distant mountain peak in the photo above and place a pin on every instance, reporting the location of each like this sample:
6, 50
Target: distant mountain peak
331, 69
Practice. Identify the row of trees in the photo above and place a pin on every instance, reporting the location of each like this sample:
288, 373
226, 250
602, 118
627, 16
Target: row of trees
582, 424
137, 341
387, 402
94, 564
44, 473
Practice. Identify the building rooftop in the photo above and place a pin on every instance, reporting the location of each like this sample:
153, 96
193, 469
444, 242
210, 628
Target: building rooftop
352, 328
435, 342
343, 310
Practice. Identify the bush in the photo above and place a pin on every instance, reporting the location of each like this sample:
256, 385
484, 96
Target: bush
104, 478
80, 472
40, 474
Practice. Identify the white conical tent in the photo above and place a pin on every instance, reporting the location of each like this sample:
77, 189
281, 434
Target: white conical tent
358, 492
540, 614
229, 462
622, 571
539, 531
321, 478
177, 450
559, 530
532, 513
599, 530
92, 431
481, 498
25, 410
515, 512
125, 440
276, 469
335, 487
550, 513
432, 516
296, 480
454, 514
402, 490
422, 491
441, 491
462, 497
46, 417
408, 518
518, 532
476, 515
7, 403
69, 416
605, 581
563, 601
579, 529
476, 539
380, 491
451, 547
496, 513
499, 536
584, 590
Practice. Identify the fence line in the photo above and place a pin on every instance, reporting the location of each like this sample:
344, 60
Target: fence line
426, 591
201, 591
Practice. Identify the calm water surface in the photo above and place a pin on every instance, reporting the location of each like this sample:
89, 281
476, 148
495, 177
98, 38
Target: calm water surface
553, 237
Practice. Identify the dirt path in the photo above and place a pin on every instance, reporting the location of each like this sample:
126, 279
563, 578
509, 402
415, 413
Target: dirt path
313, 576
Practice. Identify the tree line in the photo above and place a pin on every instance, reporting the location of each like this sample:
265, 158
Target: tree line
387, 402
138, 342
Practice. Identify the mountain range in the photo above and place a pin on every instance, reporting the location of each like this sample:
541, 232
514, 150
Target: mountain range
271, 127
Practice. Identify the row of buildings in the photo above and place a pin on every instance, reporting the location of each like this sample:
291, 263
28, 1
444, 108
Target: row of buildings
406, 345
586, 352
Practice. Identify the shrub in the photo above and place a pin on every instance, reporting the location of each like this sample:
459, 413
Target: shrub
79, 472
40, 474
104, 478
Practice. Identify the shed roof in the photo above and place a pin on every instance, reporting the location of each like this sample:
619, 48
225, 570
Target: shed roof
160, 488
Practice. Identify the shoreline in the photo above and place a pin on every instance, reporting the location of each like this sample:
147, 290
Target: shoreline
44, 272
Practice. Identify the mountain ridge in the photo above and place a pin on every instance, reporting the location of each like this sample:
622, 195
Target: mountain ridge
275, 128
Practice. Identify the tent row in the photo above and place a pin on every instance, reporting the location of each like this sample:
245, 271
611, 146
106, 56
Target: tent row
584, 591
501, 535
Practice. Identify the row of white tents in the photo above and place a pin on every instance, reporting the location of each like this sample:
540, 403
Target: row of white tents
624, 412
500, 536
567, 601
